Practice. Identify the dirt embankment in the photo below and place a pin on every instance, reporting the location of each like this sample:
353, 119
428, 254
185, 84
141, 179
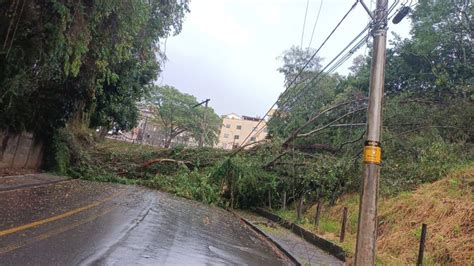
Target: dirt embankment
446, 206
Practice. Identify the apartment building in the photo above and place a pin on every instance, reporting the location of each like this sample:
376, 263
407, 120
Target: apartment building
236, 128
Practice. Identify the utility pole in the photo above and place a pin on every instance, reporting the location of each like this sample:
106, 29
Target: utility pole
204, 126
367, 228
204, 122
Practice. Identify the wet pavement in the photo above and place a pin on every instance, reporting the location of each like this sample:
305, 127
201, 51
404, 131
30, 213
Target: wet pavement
305, 252
88, 223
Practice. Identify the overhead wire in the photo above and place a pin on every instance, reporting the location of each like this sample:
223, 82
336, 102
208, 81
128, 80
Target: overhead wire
304, 23
322, 72
302, 69
315, 23
319, 76
320, 47
330, 67
345, 57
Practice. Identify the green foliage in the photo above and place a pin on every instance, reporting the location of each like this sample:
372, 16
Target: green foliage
246, 181
177, 113
61, 153
294, 59
189, 184
65, 150
80, 60
426, 124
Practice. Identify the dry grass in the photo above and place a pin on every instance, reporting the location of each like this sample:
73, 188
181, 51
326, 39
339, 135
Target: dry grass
446, 206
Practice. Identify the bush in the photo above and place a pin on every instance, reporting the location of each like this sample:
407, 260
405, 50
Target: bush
188, 184
62, 152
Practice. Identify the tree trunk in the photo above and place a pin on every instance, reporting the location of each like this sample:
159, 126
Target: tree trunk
299, 208
168, 142
284, 201
103, 132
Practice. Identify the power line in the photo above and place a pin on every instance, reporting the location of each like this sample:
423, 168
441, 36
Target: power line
304, 23
301, 71
344, 58
321, 46
315, 23
332, 68
335, 66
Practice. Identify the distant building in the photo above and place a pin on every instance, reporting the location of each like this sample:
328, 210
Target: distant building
235, 129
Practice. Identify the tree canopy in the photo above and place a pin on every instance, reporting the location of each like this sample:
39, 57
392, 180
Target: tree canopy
177, 113
427, 112
87, 61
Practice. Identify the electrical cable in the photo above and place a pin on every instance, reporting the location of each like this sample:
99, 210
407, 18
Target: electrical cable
321, 72
321, 46
304, 23
315, 23
334, 67
345, 57
301, 71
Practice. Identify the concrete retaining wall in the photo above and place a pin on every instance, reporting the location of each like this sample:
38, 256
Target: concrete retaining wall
20, 151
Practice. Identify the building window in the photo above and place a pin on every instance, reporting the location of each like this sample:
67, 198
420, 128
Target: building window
253, 139
239, 127
227, 126
236, 137
226, 136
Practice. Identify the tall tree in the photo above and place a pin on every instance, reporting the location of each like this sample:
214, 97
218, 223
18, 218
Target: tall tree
64, 59
296, 60
177, 113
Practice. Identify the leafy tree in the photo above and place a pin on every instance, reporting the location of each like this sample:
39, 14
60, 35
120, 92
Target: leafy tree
64, 60
177, 113
294, 60
426, 126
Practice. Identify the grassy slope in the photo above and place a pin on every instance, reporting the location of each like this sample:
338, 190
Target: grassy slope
446, 206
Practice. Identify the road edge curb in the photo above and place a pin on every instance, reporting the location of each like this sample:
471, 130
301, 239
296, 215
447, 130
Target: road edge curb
318, 241
288, 254
35, 185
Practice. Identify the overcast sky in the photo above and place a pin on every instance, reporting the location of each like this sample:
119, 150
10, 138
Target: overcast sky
228, 49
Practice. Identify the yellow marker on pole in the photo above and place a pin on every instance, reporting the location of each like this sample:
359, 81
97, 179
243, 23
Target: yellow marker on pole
372, 152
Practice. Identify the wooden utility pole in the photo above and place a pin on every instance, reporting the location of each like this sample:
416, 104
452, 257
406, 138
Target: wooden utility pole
204, 121
204, 126
367, 227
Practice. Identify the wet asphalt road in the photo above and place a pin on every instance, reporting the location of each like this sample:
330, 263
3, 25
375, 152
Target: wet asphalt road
87, 223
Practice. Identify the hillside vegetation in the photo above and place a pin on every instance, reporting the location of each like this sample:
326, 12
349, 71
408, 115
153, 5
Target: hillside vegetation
446, 206
213, 177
